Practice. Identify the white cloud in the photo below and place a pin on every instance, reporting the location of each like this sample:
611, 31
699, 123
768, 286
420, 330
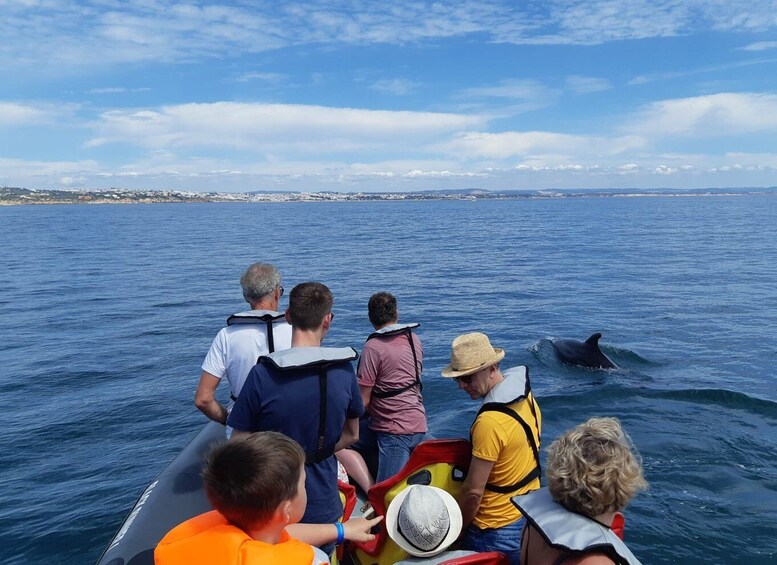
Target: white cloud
761, 46
753, 161
533, 172
530, 90
274, 127
115, 90
68, 181
99, 33
513, 96
645, 79
271, 78
418, 173
13, 114
515, 144
44, 171
599, 21
714, 115
587, 85
397, 86
664, 170
293, 141
107, 90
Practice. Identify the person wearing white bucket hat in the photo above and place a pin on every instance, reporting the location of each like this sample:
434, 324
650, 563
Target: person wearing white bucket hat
505, 445
423, 520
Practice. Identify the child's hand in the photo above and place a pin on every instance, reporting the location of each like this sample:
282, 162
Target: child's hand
358, 529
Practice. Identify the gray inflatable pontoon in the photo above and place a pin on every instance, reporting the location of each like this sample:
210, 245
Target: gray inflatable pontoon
174, 496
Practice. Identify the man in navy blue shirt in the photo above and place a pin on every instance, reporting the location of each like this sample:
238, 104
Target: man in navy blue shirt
308, 393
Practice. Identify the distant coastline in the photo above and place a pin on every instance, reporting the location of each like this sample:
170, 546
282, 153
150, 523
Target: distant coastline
10, 196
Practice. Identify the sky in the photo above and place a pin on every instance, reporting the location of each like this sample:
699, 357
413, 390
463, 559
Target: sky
353, 96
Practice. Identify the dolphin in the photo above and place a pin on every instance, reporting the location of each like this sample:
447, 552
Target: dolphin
583, 353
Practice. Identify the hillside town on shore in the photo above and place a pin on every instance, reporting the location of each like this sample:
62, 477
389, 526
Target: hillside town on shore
14, 196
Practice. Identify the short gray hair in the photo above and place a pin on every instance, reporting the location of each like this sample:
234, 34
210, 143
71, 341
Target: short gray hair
259, 280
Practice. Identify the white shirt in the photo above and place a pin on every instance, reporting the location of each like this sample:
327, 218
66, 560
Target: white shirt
236, 348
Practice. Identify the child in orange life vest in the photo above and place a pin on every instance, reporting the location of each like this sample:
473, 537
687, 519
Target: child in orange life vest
256, 483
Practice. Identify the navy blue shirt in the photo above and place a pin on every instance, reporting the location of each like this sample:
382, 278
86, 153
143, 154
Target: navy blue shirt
287, 401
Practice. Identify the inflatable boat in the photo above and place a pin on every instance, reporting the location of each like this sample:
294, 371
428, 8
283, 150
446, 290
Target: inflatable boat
177, 494
174, 496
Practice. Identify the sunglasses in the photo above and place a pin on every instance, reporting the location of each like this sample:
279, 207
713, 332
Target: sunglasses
281, 289
467, 379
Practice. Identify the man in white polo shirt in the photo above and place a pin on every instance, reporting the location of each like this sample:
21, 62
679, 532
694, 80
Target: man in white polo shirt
247, 336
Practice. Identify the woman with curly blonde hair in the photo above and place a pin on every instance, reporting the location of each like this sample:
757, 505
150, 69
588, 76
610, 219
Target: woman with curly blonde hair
593, 472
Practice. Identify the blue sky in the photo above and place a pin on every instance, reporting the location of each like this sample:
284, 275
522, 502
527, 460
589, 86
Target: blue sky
384, 96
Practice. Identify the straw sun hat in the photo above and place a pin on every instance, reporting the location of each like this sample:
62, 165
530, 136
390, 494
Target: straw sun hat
470, 353
423, 520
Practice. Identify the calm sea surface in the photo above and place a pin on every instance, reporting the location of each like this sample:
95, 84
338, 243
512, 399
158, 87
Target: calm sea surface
106, 313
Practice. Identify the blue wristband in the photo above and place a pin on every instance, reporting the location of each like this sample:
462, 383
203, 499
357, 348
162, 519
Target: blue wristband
340, 533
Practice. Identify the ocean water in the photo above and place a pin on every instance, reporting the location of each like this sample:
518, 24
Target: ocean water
106, 313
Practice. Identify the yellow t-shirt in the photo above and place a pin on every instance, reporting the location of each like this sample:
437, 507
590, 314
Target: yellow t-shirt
500, 438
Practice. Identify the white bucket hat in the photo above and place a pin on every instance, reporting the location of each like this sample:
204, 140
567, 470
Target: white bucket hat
423, 520
470, 353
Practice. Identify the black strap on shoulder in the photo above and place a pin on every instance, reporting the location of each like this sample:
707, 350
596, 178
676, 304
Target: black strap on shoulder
532, 404
320, 454
536, 472
268, 322
533, 408
270, 336
270, 345
416, 383
270, 340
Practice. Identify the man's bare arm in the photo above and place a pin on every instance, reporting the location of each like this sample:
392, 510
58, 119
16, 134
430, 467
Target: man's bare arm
366, 392
205, 398
473, 488
350, 434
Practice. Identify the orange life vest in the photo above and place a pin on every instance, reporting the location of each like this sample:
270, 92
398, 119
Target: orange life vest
208, 539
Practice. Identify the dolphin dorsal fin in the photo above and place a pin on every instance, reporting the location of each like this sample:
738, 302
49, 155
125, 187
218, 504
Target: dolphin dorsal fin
594, 339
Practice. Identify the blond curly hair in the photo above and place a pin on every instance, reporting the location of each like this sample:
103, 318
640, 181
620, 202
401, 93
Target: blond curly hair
594, 468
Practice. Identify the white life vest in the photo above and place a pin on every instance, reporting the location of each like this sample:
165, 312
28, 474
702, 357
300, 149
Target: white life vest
569, 531
265, 317
515, 387
393, 329
301, 357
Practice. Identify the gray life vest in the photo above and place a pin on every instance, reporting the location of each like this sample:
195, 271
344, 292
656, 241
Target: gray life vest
396, 329
569, 531
320, 358
515, 388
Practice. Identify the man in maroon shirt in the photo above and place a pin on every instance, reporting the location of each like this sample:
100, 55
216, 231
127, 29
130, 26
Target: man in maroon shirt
389, 377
